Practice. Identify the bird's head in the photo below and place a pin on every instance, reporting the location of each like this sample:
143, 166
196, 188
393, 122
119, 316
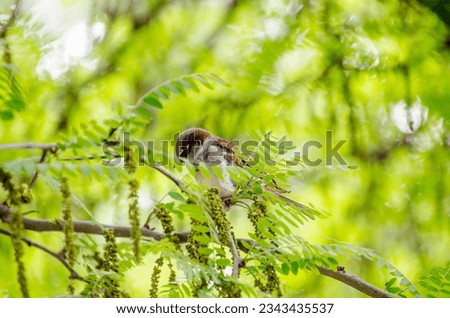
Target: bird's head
190, 142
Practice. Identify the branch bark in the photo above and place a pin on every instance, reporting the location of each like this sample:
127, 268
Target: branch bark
12, 18
125, 231
166, 173
87, 227
355, 282
30, 145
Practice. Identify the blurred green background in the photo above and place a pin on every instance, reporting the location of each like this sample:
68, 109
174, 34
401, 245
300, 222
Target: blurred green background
375, 73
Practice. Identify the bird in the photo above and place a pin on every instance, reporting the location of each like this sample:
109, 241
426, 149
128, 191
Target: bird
198, 145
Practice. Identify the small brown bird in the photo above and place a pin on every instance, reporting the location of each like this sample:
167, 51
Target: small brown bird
198, 145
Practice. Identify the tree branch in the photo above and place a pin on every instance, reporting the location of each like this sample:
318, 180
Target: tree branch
30, 145
58, 256
11, 19
238, 262
355, 282
125, 231
81, 226
36, 174
168, 174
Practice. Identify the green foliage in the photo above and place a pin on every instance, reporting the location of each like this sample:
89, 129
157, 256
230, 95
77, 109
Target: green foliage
104, 279
368, 71
11, 94
437, 282
178, 86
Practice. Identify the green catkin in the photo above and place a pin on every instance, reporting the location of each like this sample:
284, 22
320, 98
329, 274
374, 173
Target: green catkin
227, 288
111, 264
217, 213
110, 258
192, 248
16, 237
156, 274
68, 229
272, 285
194, 245
129, 162
133, 216
272, 281
133, 208
15, 196
163, 215
173, 274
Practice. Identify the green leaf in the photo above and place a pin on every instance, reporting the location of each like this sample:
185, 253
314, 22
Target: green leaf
205, 250
201, 229
144, 112
294, 267
202, 79
220, 251
112, 122
391, 282
332, 260
16, 103
218, 80
189, 84
160, 94
186, 290
176, 196
202, 239
172, 88
204, 170
153, 101
223, 262
285, 269
404, 282
194, 211
6, 115
180, 87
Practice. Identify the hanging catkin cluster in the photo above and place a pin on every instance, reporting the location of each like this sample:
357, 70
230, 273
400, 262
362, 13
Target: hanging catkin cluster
111, 264
133, 208
156, 274
163, 215
272, 281
68, 229
16, 196
217, 213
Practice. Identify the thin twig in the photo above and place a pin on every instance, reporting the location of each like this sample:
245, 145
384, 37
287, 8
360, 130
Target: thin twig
238, 262
58, 256
168, 174
11, 19
355, 282
35, 176
30, 145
